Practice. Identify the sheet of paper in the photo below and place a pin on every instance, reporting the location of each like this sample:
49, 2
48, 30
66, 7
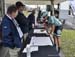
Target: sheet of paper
41, 41
33, 48
39, 31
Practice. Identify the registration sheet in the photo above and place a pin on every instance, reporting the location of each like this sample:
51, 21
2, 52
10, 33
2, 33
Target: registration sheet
40, 31
41, 41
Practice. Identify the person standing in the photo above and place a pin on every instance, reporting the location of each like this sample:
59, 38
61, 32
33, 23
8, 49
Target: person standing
31, 19
21, 18
39, 14
23, 23
56, 29
11, 32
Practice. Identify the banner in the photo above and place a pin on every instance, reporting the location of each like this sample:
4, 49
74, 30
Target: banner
72, 4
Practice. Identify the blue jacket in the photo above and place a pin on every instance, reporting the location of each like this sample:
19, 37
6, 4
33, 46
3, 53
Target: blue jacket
10, 35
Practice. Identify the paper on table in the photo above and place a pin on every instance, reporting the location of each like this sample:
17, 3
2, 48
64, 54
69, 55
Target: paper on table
33, 48
41, 41
39, 31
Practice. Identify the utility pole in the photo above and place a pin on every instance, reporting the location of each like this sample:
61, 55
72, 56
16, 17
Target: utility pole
52, 5
3, 7
58, 9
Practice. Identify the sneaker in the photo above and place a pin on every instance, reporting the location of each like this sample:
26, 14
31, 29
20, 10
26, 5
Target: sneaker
59, 49
54, 45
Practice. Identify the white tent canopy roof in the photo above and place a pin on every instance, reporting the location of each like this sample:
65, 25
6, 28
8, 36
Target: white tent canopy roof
34, 2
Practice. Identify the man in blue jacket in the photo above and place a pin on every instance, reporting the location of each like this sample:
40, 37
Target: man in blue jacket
11, 32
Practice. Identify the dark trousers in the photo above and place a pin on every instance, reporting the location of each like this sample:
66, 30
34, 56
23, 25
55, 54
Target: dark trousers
27, 41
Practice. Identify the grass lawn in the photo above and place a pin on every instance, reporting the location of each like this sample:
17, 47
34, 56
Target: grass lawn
68, 43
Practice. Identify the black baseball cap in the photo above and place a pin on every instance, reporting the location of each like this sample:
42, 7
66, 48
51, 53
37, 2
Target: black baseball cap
19, 4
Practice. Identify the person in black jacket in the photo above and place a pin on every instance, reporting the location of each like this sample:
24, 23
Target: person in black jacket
39, 15
31, 19
22, 21
21, 18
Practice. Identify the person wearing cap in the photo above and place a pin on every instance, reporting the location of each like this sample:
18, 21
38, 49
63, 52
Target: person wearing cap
45, 21
21, 18
23, 22
56, 26
11, 32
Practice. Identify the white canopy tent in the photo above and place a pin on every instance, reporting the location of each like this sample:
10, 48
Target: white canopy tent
35, 2
6, 3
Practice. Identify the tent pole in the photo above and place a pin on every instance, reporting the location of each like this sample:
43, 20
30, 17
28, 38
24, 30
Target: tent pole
3, 7
52, 5
58, 9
